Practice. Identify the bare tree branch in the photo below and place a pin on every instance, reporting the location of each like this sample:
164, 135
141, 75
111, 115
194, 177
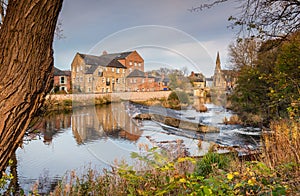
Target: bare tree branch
59, 30
263, 18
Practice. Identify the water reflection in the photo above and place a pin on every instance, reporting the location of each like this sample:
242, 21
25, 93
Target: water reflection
51, 125
92, 123
202, 100
99, 135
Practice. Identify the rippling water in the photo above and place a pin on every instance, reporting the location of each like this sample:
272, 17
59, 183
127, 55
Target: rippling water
98, 136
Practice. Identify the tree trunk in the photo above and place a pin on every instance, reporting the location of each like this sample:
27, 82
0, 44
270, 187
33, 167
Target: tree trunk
26, 67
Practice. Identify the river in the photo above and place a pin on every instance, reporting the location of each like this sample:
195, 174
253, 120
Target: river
99, 136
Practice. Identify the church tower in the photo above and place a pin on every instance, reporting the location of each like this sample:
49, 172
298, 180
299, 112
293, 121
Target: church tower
218, 78
218, 64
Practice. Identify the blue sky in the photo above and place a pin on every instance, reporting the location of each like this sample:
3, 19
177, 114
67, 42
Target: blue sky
164, 32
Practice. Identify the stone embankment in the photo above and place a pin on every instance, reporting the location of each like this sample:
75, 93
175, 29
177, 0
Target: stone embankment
112, 97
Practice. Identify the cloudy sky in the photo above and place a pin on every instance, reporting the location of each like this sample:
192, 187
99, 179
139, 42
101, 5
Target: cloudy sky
164, 32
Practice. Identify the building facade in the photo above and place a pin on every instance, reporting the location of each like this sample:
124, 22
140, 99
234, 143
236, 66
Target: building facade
62, 80
223, 79
104, 74
140, 81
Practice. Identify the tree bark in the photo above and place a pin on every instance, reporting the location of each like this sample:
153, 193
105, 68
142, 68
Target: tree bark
26, 67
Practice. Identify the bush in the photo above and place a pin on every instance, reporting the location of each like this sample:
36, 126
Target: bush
180, 96
211, 161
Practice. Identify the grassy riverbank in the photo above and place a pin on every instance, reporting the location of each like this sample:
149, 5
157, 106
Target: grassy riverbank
275, 172
66, 105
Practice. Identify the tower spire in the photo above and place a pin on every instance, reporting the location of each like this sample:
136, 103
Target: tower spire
218, 64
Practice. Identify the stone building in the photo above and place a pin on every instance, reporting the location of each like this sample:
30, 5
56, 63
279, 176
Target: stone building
223, 79
104, 74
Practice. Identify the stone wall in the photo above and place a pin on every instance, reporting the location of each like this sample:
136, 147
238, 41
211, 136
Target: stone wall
133, 96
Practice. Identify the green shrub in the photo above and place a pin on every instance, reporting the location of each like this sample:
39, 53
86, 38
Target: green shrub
211, 161
67, 102
180, 96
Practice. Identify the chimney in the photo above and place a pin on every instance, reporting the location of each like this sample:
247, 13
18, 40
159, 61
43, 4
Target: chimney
192, 74
104, 52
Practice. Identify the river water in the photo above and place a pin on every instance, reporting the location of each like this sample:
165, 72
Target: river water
99, 136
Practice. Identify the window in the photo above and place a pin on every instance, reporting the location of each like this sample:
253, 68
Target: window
139, 64
113, 80
130, 70
113, 69
118, 70
90, 79
62, 80
80, 79
134, 80
135, 64
143, 80
130, 63
118, 80
81, 68
77, 69
62, 88
103, 80
100, 73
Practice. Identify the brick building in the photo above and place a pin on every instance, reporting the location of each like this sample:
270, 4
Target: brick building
138, 80
62, 80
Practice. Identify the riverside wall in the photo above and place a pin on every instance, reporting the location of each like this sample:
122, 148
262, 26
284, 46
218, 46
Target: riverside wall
133, 96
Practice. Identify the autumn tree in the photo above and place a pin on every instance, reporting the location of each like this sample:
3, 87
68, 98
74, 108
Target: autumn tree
270, 89
26, 66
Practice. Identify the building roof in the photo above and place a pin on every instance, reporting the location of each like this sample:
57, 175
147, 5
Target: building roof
105, 60
136, 74
166, 79
150, 76
92, 59
116, 63
198, 80
58, 72
92, 69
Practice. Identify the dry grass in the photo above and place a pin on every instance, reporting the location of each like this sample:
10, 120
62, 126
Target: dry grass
282, 150
282, 145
